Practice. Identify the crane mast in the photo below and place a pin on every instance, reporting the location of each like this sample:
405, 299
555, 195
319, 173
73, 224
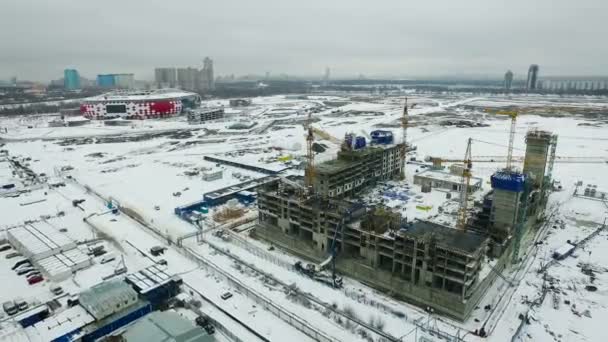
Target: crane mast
464, 191
404, 122
513, 116
310, 156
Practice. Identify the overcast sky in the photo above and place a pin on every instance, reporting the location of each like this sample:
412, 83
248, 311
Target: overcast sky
40, 38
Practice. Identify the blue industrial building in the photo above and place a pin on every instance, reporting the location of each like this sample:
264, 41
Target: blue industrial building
106, 81
71, 79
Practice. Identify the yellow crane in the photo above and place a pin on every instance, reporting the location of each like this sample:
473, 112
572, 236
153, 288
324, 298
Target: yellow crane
513, 116
465, 180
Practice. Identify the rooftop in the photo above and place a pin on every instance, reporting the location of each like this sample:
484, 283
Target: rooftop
449, 237
107, 298
166, 326
141, 95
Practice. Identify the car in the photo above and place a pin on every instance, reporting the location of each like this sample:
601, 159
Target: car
5, 248
21, 262
24, 270
56, 290
162, 262
12, 255
31, 273
210, 329
21, 304
226, 295
157, 250
35, 279
10, 307
107, 258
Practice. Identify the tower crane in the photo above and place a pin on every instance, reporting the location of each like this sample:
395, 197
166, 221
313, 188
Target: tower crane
513, 116
310, 155
465, 180
404, 123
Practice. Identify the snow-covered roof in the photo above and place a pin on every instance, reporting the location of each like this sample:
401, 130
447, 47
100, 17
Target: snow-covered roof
107, 298
39, 240
141, 95
65, 322
166, 326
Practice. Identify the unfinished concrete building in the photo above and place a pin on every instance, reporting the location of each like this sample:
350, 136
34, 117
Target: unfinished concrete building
513, 191
425, 263
357, 168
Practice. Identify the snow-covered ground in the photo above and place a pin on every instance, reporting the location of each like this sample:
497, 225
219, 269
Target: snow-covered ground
151, 167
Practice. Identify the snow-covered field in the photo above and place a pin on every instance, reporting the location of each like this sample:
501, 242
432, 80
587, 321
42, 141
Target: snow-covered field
151, 167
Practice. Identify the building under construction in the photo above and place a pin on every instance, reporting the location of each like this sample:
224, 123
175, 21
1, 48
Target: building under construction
428, 264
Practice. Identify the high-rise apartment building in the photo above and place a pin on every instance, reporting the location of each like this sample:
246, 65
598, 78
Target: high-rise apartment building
165, 77
71, 79
206, 78
508, 80
532, 77
187, 78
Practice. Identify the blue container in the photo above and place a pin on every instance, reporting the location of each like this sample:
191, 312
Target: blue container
382, 137
360, 143
510, 181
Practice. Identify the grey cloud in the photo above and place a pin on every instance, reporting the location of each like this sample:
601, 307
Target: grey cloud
40, 38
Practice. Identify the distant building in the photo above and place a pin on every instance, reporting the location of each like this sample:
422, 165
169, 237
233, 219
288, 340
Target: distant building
508, 80
239, 102
187, 78
201, 115
206, 77
71, 79
138, 104
532, 77
165, 77
326, 76
123, 81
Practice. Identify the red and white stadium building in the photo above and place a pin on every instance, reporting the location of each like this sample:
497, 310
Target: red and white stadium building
141, 105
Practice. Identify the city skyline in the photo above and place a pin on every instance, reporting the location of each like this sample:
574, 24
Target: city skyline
352, 37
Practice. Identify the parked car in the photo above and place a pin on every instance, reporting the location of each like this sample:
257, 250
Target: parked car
21, 304
21, 262
31, 273
35, 279
108, 258
5, 248
210, 329
24, 270
10, 307
57, 290
157, 250
12, 255
226, 295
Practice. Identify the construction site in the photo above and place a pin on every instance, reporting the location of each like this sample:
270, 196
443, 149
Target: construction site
322, 218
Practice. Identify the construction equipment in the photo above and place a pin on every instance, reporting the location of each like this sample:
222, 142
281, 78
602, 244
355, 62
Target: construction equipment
513, 116
461, 223
310, 156
404, 122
